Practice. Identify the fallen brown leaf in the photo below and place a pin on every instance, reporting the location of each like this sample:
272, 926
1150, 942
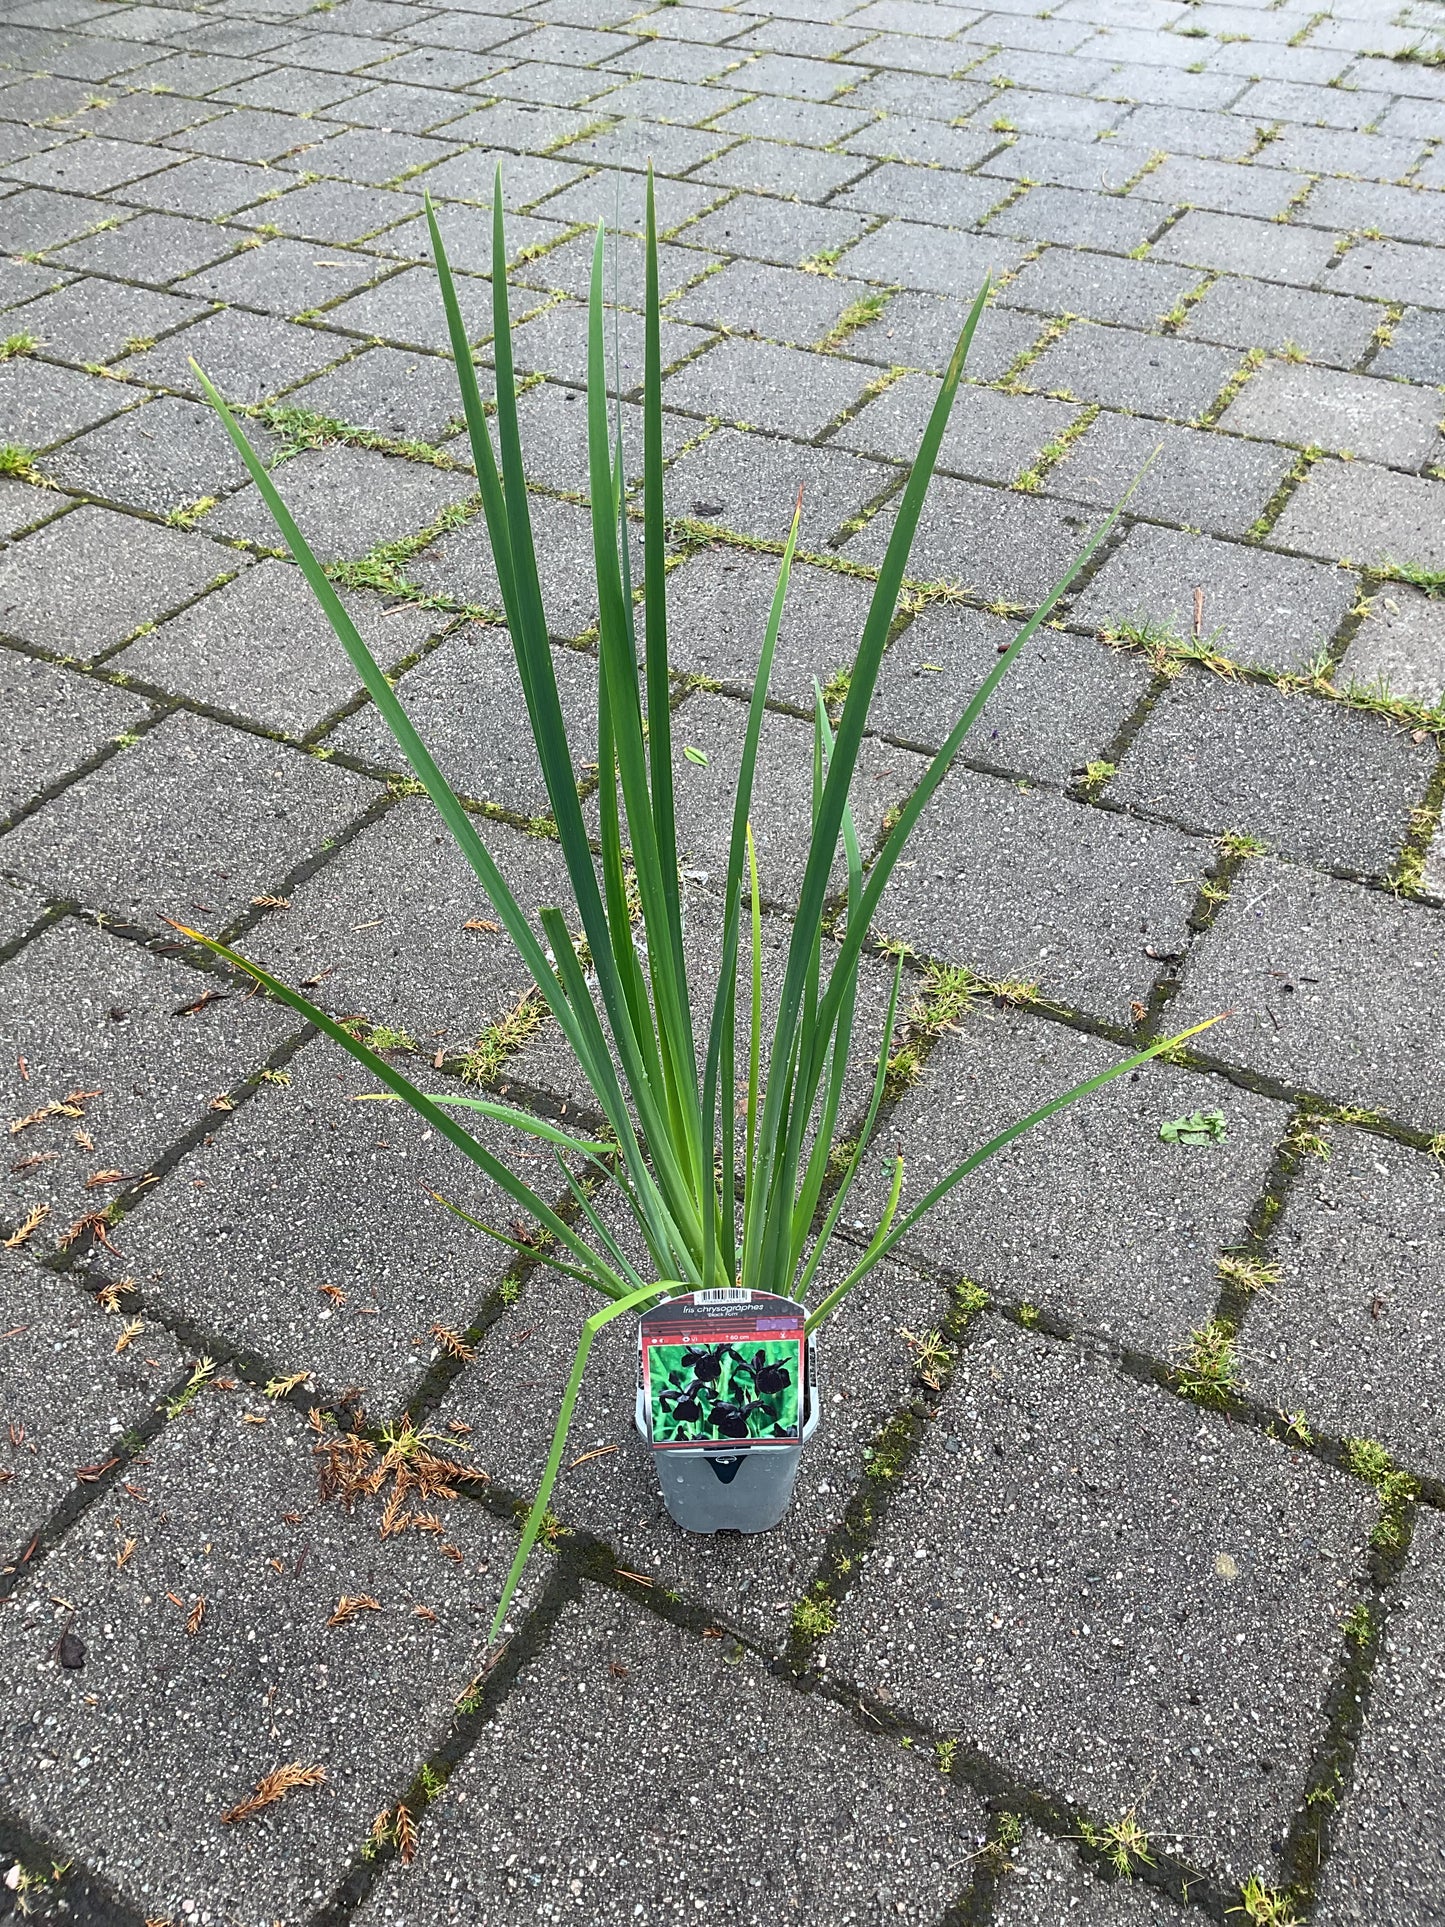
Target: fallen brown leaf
271, 1787
349, 1605
29, 1225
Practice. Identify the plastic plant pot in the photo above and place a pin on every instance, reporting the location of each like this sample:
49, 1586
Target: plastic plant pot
727, 1397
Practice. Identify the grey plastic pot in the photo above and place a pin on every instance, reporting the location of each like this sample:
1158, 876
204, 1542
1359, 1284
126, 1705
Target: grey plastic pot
728, 1487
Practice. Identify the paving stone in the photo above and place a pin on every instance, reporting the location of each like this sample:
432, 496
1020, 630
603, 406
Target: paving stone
68, 1397
1416, 348
1081, 1668
1101, 287
768, 167
618, 198
336, 211
22, 505
1048, 1884
940, 151
194, 821
669, 102
990, 436
90, 166
1211, 482
632, 143
53, 723
1313, 779
393, 391
924, 193
784, 232
552, 421
408, 308
87, 58
877, 1820
759, 384
293, 89
89, 579
1271, 100
285, 277
417, 110
1153, 374
1061, 706
807, 122
383, 927
1391, 271
459, 566
1400, 644
782, 304
1331, 984
163, 456
374, 155
714, 725
248, 134
249, 357
1229, 189
150, 117
205, 1524
42, 403
568, 268
1252, 314
1386, 1861
1383, 421
525, 179
1183, 130
555, 343
260, 648
1099, 167
1022, 884
466, 699
1330, 150
1238, 245
911, 255
747, 483
1269, 610
306, 1187
992, 542
199, 73
153, 248
800, 79
1404, 213
1091, 1217
37, 219
1071, 217
19, 280
922, 331
86, 1012
718, 608
1365, 513
93, 320
1351, 1323
346, 500
206, 187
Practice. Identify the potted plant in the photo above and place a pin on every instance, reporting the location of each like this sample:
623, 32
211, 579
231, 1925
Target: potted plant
733, 1232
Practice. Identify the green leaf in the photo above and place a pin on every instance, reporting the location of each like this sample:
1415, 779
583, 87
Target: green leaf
1200, 1127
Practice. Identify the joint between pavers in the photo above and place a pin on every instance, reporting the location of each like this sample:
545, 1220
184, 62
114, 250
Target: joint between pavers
39, 1859
127, 739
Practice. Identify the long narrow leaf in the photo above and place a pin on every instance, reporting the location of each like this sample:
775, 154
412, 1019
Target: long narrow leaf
863, 678
633, 1302
447, 1127
880, 1248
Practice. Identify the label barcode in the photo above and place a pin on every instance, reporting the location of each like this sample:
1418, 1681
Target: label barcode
728, 1297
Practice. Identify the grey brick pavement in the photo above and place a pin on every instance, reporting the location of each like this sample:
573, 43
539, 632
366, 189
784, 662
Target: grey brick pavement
1114, 1589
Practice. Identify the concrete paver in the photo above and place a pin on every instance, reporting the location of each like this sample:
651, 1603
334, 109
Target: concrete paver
1215, 232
